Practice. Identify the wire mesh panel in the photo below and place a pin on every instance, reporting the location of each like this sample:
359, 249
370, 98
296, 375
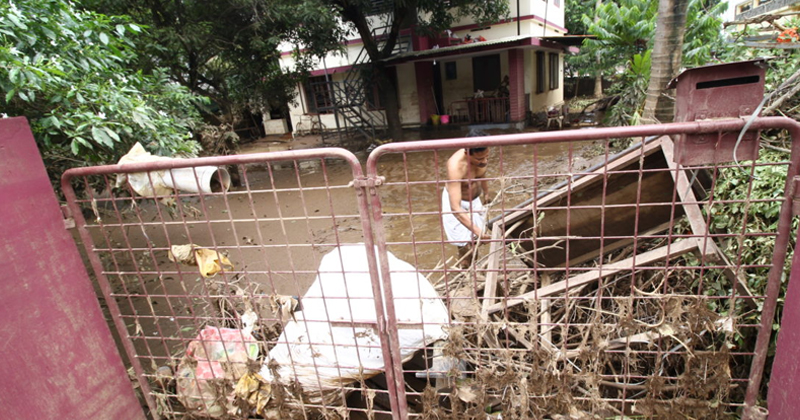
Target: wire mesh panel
240, 301
608, 280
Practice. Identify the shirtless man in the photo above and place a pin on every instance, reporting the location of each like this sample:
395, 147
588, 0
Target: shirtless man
462, 208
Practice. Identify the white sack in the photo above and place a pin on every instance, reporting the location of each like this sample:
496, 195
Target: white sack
335, 354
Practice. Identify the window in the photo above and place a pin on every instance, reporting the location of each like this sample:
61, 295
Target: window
318, 95
540, 71
745, 7
450, 71
374, 94
554, 71
557, 3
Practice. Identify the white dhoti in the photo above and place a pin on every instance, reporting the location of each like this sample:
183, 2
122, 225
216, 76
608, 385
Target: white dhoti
456, 232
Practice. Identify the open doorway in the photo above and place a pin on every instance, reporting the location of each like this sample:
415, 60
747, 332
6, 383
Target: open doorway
486, 73
438, 97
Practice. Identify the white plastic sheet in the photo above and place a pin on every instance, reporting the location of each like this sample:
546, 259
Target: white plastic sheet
321, 354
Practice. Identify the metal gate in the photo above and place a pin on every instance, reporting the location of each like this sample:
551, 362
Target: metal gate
612, 281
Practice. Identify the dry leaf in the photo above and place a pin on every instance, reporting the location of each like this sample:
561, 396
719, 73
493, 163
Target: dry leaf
255, 390
183, 254
209, 262
283, 305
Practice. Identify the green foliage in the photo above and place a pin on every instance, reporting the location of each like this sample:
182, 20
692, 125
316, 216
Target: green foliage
573, 15
434, 16
750, 205
703, 39
67, 71
625, 30
631, 91
745, 207
228, 50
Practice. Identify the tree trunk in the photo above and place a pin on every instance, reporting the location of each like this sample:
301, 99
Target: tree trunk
666, 60
390, 102
598, 79
598, 85
352, 13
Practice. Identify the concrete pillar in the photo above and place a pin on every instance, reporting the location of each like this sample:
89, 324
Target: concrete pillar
424, 73
516, 87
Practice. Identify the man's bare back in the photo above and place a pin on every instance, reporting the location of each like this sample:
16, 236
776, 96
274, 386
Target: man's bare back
466, 180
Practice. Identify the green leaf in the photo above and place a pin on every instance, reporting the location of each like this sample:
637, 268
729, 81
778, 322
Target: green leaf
10, 95
13, 75
99, 135
120, 29
104, 38
48, 33
111, 133
17, 22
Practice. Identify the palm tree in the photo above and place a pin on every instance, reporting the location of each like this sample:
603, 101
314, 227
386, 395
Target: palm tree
666, 59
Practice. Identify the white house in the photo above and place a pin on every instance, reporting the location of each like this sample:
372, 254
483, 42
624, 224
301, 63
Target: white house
461, 74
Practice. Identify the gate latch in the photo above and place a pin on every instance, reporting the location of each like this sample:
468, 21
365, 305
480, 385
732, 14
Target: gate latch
69, 222
367, 182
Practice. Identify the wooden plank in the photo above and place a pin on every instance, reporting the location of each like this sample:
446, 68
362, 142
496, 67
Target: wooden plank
641, 260
496, 250
603, 203
546, 330
581, 182
613, 246
695, 216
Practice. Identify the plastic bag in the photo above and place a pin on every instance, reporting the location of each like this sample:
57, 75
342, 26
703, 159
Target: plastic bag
322, 349
216, 358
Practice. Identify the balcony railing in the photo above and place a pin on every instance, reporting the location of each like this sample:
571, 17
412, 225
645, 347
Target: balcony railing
480, 111
765, 7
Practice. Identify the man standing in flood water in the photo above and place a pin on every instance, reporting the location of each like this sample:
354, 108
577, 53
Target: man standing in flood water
463, 214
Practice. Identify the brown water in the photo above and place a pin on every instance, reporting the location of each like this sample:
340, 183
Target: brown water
410, 197
279, 223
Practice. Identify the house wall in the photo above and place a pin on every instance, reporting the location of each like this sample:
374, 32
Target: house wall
416, 103
460, 88
409, 102
539, 101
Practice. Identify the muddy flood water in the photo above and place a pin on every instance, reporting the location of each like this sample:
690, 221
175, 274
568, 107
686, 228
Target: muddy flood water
280, 221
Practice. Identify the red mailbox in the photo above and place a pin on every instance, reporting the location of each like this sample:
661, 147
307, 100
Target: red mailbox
721, 91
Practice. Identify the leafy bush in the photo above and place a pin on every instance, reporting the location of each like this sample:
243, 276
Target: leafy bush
67, 71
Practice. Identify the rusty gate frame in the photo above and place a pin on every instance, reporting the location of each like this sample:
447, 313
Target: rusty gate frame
360, 184
788, 209
370, 209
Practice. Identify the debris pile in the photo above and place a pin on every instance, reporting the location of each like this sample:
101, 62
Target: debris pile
579, 311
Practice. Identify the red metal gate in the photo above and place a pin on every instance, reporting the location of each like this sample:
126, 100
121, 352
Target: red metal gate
59, 358
195, 280
609, 286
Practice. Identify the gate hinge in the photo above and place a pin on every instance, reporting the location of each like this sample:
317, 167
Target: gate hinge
367, 182
69, 222
795, 193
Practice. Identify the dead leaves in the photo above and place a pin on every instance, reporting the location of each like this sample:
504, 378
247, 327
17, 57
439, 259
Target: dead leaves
208, 261
254, 390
